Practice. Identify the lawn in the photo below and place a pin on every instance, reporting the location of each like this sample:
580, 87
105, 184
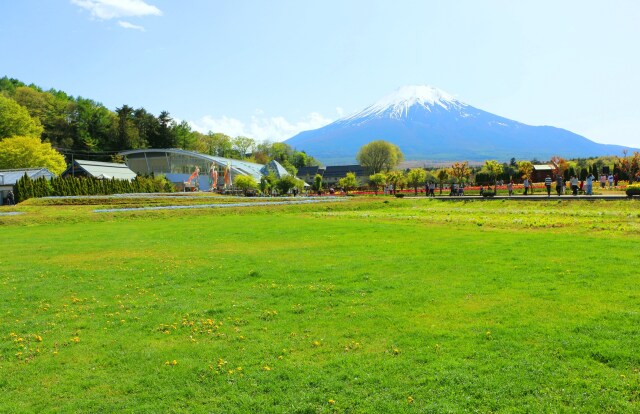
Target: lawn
369, 305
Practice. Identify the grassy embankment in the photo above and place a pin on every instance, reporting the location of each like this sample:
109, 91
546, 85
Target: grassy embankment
363, 306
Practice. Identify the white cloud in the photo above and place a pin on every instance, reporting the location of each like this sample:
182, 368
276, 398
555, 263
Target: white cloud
260, 127
128, 25
110, 9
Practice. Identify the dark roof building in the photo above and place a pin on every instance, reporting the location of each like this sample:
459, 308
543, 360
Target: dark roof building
307, 174
540, 172
333, 173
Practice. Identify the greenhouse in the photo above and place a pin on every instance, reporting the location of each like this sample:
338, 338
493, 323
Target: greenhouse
195, 171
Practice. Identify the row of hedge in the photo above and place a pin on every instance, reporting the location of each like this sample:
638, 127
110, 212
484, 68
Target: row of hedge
27, 188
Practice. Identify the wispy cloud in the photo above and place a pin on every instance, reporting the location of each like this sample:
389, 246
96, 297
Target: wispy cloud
128, 25
261, 127
111, 9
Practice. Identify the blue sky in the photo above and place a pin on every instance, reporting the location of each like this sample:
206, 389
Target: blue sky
271, 68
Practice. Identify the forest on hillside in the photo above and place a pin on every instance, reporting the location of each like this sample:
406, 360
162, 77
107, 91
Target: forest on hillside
87, 129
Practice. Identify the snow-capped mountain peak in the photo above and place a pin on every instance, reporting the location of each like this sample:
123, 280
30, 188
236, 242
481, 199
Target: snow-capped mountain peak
397, 104
429, 124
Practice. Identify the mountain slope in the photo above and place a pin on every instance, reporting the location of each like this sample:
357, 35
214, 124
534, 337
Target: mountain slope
429, 124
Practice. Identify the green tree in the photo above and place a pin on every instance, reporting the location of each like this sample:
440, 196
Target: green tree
317, 183
416, 178
217, 144
185, 138
16, 121
377, 180
348, 182
245, 183
30, 152
379, 156
493, 168
267, 182
288, 182
243, 145
148, 127
127, 135
397, 179
38, 103
526, 169
166, 134
291, 169
442, 175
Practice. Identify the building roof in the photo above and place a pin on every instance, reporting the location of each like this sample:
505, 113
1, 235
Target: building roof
101, 170
310, 171
543, 167
237, 166
275, 168
342, 170
11, 177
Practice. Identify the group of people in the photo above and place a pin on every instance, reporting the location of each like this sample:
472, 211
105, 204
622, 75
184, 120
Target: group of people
576, 185
612, 179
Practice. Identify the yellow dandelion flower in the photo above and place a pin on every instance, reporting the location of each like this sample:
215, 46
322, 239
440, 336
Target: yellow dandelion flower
266, 368
410, 399
174, 362
331, 402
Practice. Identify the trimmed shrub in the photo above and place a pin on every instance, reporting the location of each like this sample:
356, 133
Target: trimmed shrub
633, 190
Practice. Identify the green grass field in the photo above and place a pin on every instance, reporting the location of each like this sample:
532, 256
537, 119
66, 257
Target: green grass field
369, 305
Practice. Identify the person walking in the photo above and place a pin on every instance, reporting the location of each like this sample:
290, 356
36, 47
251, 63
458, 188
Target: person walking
559, 184
589, 184
526, 185
574, 185
547, 184
510, 188
610, 179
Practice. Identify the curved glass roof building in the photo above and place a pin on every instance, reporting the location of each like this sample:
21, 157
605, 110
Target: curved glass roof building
178, 165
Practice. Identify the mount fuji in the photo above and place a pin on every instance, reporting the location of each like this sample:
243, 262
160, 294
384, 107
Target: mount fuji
430, 124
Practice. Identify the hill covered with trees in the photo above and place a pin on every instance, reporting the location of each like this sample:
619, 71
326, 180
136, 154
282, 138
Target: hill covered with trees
86, 128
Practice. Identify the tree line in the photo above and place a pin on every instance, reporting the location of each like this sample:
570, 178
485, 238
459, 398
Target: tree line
79, 125
381, 158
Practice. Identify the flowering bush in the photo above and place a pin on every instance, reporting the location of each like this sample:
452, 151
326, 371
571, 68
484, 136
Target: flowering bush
633, 190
